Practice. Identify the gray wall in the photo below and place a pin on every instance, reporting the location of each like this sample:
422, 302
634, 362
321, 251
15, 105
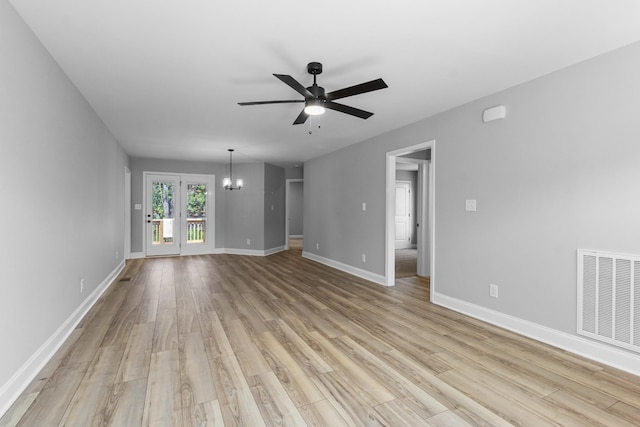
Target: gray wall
63, 208
139, 165
412, 177
294, 173
239, 215
561, 172
244, 209
335, 187
295, 208
274, 208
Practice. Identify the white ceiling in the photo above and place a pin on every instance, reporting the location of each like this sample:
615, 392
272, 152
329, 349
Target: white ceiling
166, 75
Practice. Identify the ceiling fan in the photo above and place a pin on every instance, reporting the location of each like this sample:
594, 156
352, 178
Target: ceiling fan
316, 100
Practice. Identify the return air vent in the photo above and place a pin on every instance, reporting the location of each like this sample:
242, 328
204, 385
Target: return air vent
609, 298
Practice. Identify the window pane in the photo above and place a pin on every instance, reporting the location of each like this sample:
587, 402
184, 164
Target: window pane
163, 213
196, 213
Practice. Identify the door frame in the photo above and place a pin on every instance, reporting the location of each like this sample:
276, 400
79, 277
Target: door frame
422, 213
391, 157
183, 177
287, 192
126, 254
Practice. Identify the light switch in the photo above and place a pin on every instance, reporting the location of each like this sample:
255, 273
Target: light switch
470, 205
364, 206
137, 206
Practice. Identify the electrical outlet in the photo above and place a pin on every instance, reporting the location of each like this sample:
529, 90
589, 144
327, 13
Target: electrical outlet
81, 285
317, 246
248, 242
117, 255
493, 291
364, 258
364, 206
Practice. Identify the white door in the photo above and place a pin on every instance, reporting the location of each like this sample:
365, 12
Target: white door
197, 218
403, 214
162, 219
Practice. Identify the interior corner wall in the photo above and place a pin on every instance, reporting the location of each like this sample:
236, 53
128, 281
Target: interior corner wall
244, 209
274, 207
559, 173
294, 172
63, 202
296, 224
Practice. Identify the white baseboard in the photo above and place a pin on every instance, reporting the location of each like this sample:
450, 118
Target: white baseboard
296, 236
373, 277
272, 251
231, 251
617, 358
12, 389
248, 252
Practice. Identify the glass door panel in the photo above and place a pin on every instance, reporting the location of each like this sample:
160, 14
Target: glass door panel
196, 231
198, 214
163, 214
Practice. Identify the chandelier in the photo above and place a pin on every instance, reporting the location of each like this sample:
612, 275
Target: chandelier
227, 183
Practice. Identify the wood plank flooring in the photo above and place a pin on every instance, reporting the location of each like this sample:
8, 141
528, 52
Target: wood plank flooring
225, 340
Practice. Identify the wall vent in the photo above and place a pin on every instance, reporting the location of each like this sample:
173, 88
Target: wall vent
609, 298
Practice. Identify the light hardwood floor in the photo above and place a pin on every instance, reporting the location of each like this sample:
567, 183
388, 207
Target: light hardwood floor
279, 340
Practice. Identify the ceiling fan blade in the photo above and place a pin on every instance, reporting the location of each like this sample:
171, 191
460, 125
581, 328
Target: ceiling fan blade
293, 83
301, 118
357, 89
269, 102
347, 110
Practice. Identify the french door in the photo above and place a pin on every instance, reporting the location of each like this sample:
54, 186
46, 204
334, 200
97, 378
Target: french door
179, 214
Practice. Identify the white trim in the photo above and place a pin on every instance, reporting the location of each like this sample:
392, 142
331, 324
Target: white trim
275, 250
248, 252
376, 278
593, 350
127, 214
219, 251
13, 388
432, 220
287, 190
296, 236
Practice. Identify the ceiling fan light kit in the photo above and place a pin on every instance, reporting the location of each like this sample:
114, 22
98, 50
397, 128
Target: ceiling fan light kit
314, 107
316, 101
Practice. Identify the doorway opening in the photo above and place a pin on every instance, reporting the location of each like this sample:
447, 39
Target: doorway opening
294, 235
425, 208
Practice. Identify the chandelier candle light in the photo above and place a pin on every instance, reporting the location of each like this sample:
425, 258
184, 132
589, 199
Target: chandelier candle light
227, 183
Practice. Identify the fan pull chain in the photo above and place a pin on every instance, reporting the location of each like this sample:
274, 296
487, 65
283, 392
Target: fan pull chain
311, 126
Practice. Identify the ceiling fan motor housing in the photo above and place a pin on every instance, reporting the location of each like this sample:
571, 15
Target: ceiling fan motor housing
317, 91
314, 68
